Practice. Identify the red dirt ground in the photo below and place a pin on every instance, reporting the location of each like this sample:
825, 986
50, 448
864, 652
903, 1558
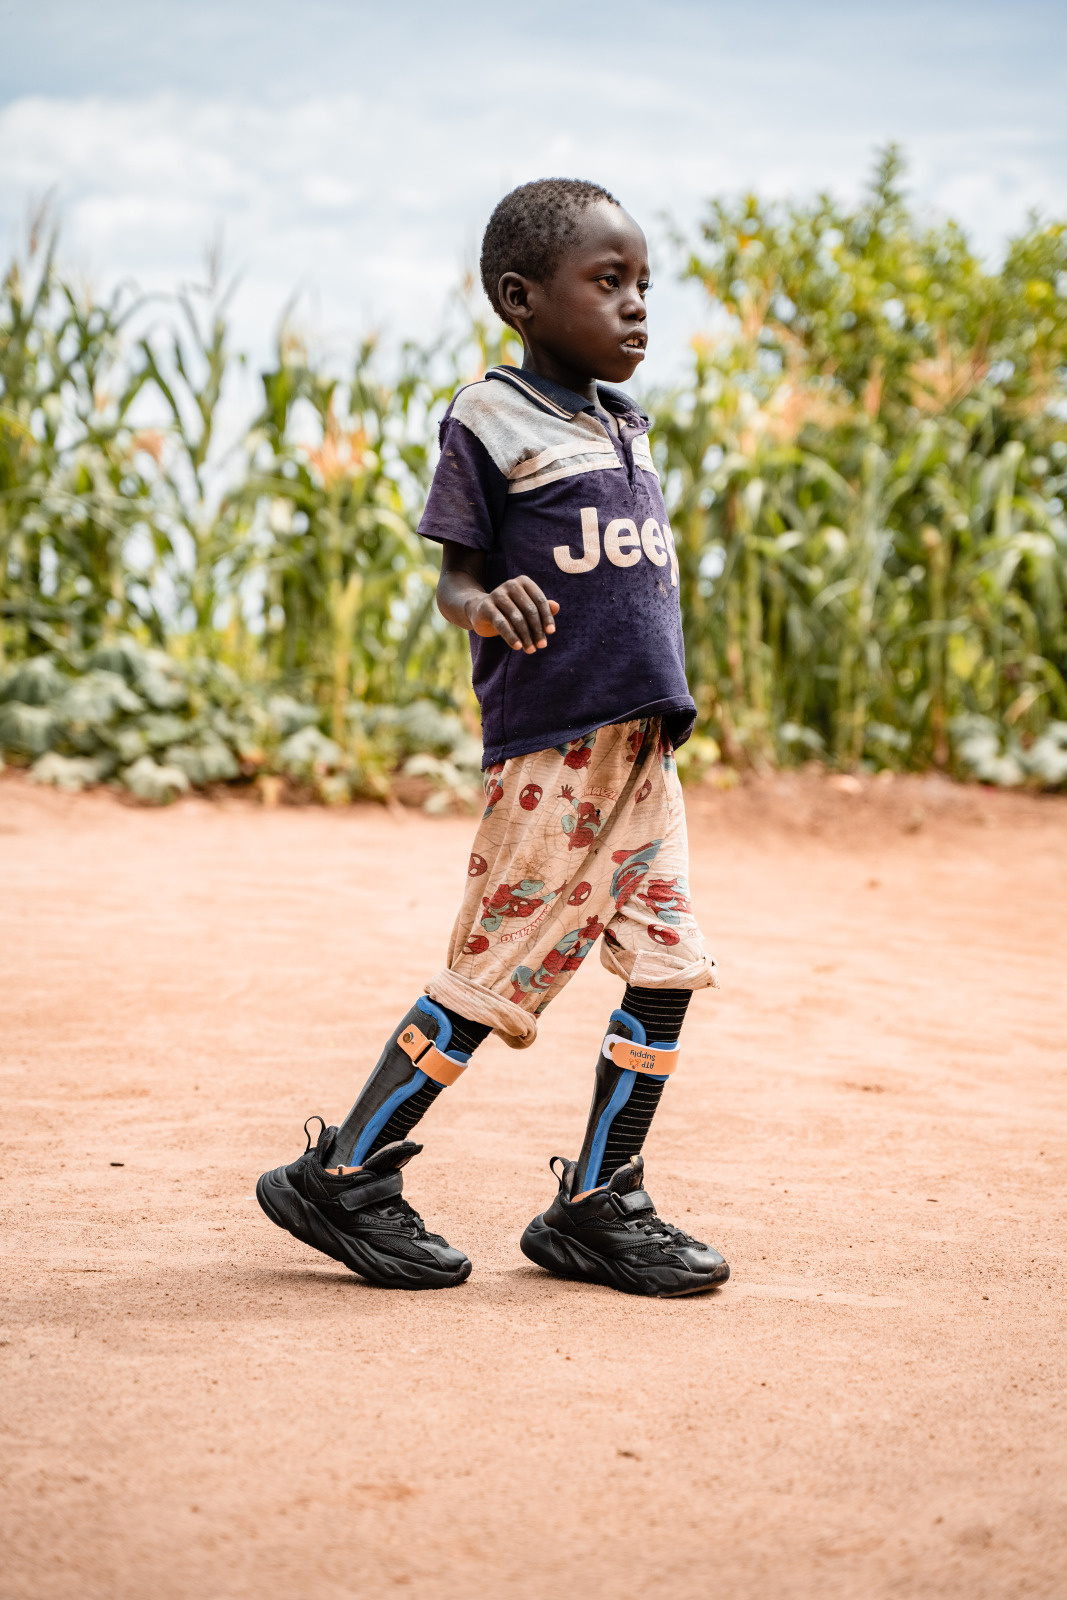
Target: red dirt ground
869, 1122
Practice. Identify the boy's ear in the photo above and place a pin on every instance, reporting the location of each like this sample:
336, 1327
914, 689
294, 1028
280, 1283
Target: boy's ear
514, 292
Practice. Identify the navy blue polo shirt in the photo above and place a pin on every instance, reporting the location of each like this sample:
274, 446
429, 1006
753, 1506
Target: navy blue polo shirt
529, 474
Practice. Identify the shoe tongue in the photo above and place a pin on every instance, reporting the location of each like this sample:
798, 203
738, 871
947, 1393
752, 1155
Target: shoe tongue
629, 1177
391, 1157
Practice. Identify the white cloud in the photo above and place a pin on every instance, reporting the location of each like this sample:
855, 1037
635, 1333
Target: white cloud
371, 199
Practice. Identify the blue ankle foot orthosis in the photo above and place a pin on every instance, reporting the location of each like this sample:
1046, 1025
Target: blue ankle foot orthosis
630, 1075
414, 1067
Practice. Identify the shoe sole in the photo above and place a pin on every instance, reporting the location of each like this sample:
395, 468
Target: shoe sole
288, 1209
566, 1258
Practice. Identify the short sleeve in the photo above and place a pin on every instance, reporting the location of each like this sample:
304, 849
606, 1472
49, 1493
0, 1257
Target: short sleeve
468, 494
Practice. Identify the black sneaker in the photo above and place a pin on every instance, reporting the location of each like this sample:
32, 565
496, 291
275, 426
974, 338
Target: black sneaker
613, 1236
360, 1219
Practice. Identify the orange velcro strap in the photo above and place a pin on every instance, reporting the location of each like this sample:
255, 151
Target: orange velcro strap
427, 1057
639, 1057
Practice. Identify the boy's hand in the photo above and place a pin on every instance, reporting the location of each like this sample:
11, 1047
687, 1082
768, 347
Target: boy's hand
517, 610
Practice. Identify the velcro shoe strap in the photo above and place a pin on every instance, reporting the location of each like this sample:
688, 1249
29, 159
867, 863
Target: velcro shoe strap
633, 1203
365, 1194
426, 1056
639, 1057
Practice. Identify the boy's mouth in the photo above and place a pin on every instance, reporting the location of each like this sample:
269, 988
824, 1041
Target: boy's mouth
636, 341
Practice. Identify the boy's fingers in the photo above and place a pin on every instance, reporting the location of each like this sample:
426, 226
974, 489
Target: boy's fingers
545, 607
503, 627
518, 612
513, 600
535, 622
545, 613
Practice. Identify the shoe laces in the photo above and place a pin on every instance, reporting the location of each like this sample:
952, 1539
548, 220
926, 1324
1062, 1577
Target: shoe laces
398, 1210
658, 1229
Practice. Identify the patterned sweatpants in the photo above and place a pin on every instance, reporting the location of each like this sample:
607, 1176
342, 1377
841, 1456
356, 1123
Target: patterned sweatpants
576, 844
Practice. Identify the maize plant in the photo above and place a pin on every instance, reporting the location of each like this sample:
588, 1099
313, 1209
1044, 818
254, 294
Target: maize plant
71, 488
866, 472
865, 468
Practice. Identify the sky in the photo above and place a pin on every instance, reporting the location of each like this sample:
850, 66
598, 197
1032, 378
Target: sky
350, 153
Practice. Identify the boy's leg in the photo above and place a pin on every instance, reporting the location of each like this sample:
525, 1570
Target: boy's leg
330, 1198
344, 1196
624, 1100
428, 1052
655, 943
603, 1227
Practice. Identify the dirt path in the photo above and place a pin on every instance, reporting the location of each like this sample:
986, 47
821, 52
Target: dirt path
869, 1122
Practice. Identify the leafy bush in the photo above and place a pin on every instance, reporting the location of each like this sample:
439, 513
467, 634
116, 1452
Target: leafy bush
158, 727
987, 754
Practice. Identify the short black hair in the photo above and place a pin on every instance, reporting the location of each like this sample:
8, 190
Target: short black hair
531, 228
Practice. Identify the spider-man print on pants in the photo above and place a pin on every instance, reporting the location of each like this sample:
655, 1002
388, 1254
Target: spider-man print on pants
600, 855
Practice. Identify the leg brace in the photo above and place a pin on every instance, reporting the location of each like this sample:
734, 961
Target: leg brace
413, 1068
630, 1075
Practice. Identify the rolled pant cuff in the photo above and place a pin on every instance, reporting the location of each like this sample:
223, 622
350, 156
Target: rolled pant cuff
478, 1004
659, 970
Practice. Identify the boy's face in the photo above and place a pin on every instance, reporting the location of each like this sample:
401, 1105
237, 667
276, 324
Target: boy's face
589, 317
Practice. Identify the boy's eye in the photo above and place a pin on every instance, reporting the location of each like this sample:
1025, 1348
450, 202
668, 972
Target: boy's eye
611, 281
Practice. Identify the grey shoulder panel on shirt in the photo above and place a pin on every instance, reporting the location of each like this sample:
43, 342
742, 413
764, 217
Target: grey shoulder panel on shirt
643, 454
528, 444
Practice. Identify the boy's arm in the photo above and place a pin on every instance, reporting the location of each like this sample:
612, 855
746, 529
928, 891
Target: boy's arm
516, 609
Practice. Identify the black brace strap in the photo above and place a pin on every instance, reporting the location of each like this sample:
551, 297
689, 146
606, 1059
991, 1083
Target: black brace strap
365, 1194
632, 1204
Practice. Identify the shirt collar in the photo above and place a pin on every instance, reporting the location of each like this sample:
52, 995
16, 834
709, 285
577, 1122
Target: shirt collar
558, 399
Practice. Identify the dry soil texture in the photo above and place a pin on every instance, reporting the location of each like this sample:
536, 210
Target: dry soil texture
869, 1122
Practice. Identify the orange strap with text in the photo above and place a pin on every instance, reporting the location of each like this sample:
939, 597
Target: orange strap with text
639, 1057
427, 1057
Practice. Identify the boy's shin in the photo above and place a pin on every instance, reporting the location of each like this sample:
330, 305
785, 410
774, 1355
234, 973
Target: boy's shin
630, 1075
412, 1070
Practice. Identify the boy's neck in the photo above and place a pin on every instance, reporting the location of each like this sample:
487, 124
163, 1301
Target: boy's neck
544, 365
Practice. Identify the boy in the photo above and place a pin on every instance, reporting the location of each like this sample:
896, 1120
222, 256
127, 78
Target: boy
547, 505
